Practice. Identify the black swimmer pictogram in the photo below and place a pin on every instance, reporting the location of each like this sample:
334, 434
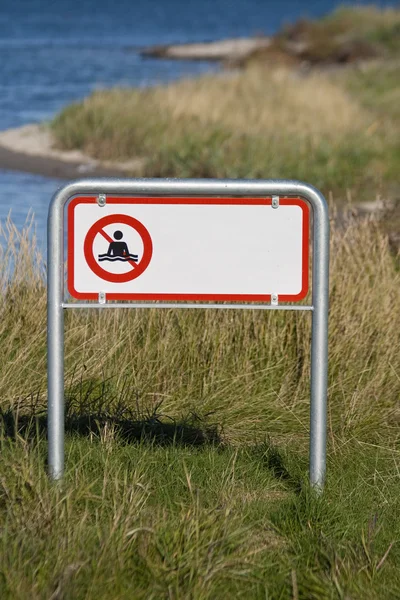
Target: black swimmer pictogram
118, 251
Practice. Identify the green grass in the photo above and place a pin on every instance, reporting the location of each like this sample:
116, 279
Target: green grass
339, 130
189, 146
187, 444
142, 521
377, 88
348, 34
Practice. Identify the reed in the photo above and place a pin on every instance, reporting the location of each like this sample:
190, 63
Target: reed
187, 443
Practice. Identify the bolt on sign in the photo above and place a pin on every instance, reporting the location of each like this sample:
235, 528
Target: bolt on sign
219, 244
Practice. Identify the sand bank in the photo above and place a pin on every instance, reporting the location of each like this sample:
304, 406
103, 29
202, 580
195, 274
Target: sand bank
223, 50
31, 149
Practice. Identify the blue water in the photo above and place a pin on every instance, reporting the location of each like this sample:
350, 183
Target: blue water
55, 52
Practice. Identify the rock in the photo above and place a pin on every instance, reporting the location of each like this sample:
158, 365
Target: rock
223, 50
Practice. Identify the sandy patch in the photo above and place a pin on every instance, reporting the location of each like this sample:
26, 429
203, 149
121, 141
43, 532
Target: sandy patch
37, 141
232, 49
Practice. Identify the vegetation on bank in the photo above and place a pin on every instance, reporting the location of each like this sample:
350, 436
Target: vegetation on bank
349, 34
337, 129
187, 444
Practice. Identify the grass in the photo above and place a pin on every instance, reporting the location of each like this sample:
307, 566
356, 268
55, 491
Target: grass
336, 128
348, 34
187, 444
188, 432
369, 23
149, 522
377, 88
253, 124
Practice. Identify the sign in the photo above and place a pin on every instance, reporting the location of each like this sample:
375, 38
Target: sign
175, 240
171, 248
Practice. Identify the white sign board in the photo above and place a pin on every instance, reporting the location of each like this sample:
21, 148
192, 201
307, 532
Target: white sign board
220, 249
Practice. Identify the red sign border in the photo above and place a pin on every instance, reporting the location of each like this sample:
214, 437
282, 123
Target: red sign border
185, 200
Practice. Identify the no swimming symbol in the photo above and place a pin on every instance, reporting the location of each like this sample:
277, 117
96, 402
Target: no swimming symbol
118, 250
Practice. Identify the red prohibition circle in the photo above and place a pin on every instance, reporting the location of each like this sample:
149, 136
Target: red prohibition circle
118, 277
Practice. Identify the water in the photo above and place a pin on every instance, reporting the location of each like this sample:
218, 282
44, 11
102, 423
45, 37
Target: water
52, 53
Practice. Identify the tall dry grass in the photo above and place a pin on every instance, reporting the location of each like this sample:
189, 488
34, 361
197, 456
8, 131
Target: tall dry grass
141, 520
247, 370
255, 102
259, 123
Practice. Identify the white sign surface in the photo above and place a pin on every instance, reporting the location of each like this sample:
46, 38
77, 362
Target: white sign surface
230, 249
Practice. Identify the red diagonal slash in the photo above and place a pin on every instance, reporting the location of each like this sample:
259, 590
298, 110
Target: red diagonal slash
109, 240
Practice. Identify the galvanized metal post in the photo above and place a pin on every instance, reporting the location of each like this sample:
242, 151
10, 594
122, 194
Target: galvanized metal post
319, 344
191, 187
55, 338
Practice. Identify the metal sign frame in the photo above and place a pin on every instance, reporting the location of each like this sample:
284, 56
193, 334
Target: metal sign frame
194, 188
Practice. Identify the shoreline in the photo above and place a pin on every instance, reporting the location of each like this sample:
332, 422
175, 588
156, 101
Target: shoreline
300, 47
30, 149
228, 50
